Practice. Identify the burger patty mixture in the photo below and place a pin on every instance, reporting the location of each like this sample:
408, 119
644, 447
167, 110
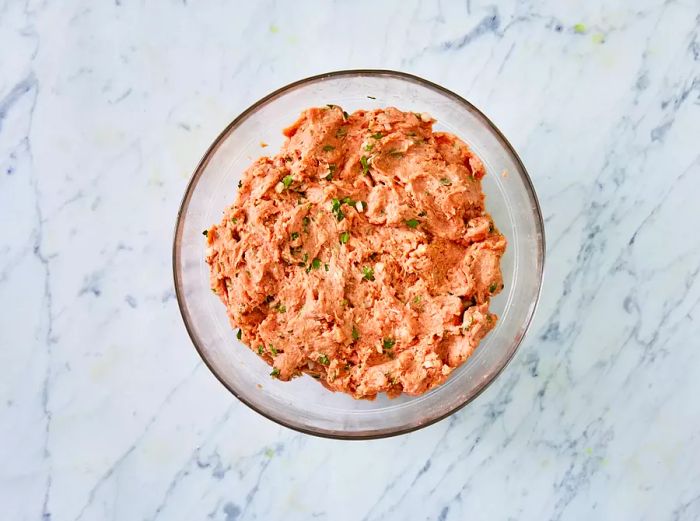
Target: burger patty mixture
361, 254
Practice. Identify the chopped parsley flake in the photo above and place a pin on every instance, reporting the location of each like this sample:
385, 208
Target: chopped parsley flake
273, 350
412, 223
205, 233
341, 132
377, 135
388, 343
365, 164
281, 308
328, 148
344, 237
355, 333
335, 209
306, 257
239, 334
275, 373
316, 263
369, 147
305, 224
367, 273
493, 287
323, 359
234, 220
287, 180
261, 350
295, 236
417, 299
331, 171
445, 181
325, 266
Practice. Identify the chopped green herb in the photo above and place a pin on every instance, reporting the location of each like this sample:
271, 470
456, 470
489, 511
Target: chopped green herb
261, 349
239, 334
377, 135
344, 237
345, 115
355, 333
306, 257
275, 373
341, 132
395, 153
205, 233
325, 266
316, 263
417, 299
388, 343
347, 200
295, 236
287, 180
445, 181
281, 308
422, 213
371, 97
240, 184
323, 359
367, 273
369, 147
273, 350
234, 220
335, 209
412, 223
365, 164
305, 224
493, 287
328, 148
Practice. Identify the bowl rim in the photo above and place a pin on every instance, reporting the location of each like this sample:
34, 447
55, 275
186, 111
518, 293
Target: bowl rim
199, 169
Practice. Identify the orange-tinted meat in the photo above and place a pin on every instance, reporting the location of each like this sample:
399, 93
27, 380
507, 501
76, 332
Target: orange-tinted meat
361, 254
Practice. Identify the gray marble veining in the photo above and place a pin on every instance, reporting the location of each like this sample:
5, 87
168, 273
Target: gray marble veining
105, 409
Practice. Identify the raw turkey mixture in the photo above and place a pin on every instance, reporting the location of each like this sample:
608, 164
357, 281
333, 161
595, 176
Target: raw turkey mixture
361, 254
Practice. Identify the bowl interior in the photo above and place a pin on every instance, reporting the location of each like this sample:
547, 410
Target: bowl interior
303, 403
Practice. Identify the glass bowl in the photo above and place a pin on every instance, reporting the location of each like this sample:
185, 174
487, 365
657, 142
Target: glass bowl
303, 403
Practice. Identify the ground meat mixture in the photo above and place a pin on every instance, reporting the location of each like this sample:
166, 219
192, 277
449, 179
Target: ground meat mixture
361, 254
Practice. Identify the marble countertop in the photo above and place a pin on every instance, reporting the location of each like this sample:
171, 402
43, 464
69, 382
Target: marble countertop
107, 412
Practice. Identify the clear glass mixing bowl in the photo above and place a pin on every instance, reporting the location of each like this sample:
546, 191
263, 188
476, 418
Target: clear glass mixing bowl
304, 404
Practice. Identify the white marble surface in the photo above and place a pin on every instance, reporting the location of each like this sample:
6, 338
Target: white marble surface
106, 411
